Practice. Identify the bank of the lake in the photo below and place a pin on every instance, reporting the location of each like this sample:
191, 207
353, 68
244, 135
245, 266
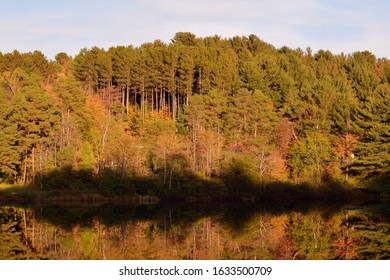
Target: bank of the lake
271, 193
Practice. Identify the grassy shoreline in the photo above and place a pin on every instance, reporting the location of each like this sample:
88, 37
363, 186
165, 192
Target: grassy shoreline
271, 194
28, 195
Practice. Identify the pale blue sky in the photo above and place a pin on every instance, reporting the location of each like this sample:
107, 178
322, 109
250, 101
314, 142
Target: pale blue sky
54, 26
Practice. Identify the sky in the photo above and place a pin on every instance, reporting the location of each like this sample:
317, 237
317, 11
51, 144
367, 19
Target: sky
54, 26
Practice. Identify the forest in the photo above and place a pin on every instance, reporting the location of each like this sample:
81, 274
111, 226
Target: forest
207, 117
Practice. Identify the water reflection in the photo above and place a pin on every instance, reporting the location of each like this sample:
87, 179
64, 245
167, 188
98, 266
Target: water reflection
193, 231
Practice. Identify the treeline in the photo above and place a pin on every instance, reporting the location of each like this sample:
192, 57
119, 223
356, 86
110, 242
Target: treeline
194, 232
237, 112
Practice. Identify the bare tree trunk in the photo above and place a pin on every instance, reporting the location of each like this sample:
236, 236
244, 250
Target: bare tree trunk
178, 106
123, 97
170, 179
161, 99
135, 101
103, 144
174, 106
255, 132
194, 146
25, 170
62, 130
40, 232
169, 103
33, 165
188, 92
207, 162
68, 129
165, 166
200, 81
165, 235
143, 102
245, 128
146, 103
218, 147
194, 242
55, 154
25, 225
152, 100
33, 230
55, 240
156, 98
127, 100
40, 166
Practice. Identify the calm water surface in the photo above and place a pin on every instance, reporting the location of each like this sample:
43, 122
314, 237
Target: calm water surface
193, 231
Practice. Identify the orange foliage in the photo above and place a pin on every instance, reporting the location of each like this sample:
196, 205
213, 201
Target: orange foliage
278, 167
284, 136
94, 103
237, 146
344, 145
278, 238
345, 248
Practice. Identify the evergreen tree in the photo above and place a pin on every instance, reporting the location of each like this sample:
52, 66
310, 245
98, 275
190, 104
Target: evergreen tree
226, 97
9, 155
35, 116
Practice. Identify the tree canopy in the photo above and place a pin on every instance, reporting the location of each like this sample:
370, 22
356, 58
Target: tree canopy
195, 106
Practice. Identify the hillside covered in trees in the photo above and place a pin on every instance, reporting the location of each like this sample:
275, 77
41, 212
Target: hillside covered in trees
197, 115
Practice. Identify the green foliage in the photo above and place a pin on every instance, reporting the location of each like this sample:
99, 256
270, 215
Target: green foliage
34, 113
68, 89
85, 68
9, 156
239, 174
310, 155
371, 232
311, 237
123, 59
373, 120
185, 38
203, 100
250, 114
12, 240
27, 120
87, 157
66, 157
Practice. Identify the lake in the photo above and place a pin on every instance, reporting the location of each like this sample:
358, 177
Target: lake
196, 231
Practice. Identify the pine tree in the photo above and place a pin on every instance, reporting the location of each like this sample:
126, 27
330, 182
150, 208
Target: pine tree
35, 116
9, 155
370, 117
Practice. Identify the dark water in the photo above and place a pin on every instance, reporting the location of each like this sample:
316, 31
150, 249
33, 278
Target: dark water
195, 231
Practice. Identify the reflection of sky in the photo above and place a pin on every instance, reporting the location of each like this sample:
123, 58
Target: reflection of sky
54, 26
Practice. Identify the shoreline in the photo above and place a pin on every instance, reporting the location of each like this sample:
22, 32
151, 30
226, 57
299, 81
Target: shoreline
26, 196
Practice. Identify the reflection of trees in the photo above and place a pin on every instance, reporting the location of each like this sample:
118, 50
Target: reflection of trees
191, 232
370, 233
13, 241
312, 235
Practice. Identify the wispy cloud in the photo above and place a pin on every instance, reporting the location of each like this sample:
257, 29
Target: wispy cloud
53, 26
